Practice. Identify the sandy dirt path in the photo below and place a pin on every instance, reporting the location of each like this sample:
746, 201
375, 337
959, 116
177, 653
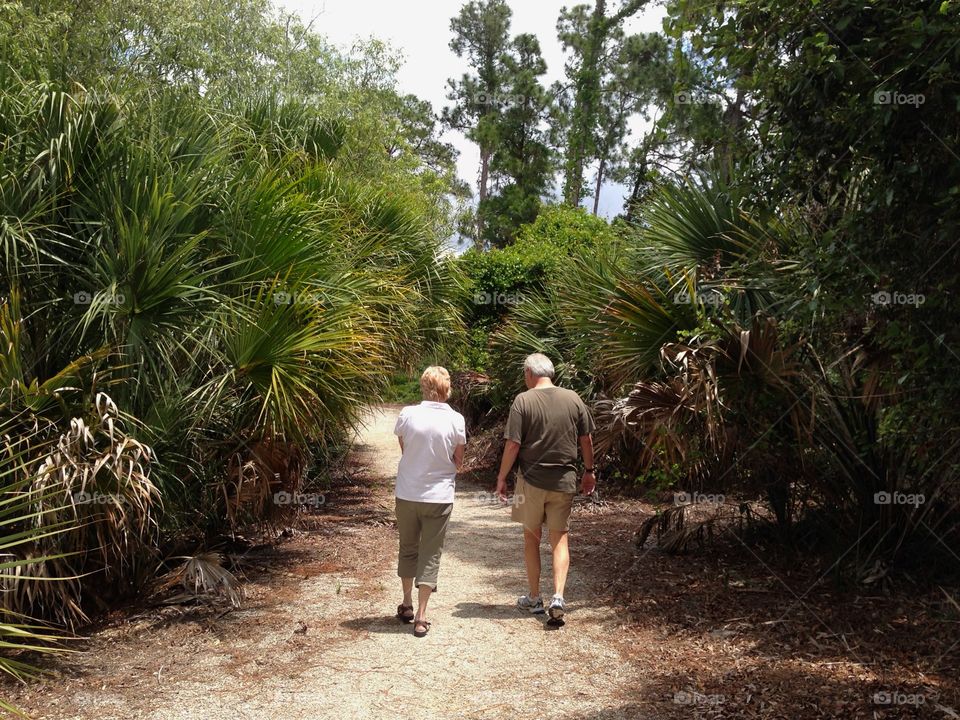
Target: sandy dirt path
325, 644
483, 658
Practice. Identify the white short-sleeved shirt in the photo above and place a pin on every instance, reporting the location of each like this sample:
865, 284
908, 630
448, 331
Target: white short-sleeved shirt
431, 431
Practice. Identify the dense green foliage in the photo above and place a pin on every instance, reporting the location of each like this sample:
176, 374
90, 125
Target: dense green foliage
234, 284
219, 239
498, 281
778, 321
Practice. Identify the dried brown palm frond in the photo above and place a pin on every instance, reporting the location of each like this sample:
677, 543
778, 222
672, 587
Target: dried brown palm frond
670, 520
673, 421
45, 584
256, 472
484, 450
759, 351
96, 478
470, 394
466, 383
679, 527
709, 403
650, 420
203, 576
697, 386
19, 538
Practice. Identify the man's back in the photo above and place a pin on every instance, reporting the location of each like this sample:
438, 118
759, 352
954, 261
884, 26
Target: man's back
547, 422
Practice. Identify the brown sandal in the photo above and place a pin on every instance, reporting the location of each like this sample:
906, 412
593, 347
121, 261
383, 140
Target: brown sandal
421, 633
402, 614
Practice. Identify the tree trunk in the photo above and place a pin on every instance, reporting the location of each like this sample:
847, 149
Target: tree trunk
634, 196
482, 191
585, 103
574, 178
733, 119
596, 192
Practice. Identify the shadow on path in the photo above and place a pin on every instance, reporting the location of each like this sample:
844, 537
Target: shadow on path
383, 624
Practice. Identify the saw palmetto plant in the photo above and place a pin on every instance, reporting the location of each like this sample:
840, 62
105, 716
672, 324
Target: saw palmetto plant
691, 373
195, 294
25, 554
99, 479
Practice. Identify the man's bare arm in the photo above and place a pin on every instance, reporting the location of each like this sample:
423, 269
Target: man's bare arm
458, 456
589, 479
510, 452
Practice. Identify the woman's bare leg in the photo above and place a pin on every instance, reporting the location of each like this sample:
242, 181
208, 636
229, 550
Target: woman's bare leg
407, 584
425, 592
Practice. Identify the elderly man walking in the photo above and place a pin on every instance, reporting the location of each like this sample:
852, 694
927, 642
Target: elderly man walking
545, 426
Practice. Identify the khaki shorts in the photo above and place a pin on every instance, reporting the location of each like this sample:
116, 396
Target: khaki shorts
535, 507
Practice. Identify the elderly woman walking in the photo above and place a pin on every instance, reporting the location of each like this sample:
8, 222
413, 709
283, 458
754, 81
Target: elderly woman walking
432, 439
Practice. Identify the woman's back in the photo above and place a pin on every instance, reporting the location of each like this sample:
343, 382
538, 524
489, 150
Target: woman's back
430, 433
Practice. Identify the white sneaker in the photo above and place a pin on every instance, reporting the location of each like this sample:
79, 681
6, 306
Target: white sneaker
556, 608
534, 605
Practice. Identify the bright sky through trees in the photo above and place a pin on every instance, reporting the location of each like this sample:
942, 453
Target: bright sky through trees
421, 30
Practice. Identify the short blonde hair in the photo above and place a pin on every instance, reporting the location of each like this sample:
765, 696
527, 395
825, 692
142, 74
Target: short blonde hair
435, 384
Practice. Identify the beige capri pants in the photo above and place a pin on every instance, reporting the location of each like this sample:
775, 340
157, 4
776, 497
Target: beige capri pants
422, 526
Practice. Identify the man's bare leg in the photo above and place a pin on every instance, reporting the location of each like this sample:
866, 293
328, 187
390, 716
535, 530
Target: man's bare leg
561, 560
531, 554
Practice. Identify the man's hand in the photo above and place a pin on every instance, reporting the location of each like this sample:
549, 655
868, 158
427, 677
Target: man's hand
511, 449
589, 483
501, 490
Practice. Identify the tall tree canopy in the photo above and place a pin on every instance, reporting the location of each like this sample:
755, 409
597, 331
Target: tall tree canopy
587, 33
481, 35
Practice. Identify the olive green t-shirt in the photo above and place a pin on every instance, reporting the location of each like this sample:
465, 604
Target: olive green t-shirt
548, 422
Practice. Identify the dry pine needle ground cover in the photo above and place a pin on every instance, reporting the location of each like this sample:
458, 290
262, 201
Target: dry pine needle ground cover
724, 631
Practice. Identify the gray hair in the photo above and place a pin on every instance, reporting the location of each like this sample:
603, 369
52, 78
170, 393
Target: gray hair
539, 365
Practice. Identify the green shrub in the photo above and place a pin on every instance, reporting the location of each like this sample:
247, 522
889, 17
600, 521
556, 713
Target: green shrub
497, 282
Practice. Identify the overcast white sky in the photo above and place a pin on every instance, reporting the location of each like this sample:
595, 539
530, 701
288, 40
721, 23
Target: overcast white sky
421, 30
